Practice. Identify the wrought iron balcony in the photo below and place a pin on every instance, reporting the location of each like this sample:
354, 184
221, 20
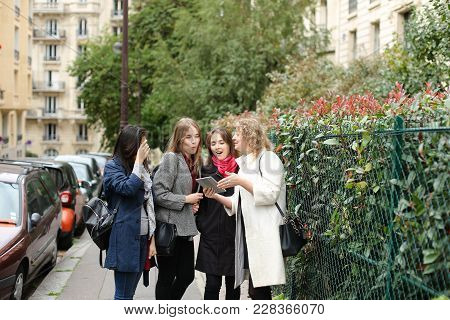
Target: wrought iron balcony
53, 86
39, 34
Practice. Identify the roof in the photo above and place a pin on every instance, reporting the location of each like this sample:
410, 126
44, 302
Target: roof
10, 173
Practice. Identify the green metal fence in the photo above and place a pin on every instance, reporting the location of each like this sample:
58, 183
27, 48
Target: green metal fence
378, 208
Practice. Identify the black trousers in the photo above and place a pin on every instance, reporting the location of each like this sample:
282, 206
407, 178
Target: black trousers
176, 272
260, 293
213, 285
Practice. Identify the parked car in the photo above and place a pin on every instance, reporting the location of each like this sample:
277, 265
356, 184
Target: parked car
101, 160
91, 162
72, 199
90, 186
30, 216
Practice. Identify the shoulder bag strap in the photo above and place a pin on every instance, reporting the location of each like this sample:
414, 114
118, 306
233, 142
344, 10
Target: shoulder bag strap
276, 203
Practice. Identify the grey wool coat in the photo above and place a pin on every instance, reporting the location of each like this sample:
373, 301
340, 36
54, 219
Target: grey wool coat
171, 184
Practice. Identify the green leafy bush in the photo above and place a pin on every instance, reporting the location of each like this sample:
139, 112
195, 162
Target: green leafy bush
370, 178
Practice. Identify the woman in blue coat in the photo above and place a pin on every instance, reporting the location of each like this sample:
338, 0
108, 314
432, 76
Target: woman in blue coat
127, 179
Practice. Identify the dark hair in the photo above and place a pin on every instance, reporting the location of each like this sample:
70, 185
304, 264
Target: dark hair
127, 146
227, 138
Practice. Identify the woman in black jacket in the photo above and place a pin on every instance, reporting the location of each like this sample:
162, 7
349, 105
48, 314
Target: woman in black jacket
217, 229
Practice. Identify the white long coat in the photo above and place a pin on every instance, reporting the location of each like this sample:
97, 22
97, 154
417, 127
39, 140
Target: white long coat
261, 219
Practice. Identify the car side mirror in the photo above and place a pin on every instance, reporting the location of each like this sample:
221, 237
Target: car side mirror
85, 184
93, 182
35, 219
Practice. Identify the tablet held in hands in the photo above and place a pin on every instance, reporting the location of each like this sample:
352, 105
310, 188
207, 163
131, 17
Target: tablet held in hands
210, 183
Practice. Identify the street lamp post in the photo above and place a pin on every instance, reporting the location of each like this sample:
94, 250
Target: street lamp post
124, 75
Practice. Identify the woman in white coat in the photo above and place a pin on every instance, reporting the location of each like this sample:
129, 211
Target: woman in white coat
258, 186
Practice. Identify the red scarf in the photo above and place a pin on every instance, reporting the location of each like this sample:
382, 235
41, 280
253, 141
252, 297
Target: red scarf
226, 165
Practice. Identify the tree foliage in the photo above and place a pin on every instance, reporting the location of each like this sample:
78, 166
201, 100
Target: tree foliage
197, 58
423, 56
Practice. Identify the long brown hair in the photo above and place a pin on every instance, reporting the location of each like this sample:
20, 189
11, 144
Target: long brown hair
227, 138
176, 140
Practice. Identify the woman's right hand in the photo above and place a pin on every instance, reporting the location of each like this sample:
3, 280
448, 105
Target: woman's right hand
143, 152
209, 193
194, 198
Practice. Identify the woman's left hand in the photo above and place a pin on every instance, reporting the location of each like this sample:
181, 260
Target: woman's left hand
195, 207
152, 248
229, 182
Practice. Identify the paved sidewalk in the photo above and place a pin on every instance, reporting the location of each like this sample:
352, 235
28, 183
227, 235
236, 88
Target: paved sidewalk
78, 276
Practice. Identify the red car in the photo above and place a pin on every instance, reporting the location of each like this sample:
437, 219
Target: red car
30, 216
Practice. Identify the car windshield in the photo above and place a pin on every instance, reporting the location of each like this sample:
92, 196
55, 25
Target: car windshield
81, 171
10, 204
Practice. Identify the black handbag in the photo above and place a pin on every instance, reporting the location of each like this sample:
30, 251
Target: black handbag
165, 237
99, 221
292, 237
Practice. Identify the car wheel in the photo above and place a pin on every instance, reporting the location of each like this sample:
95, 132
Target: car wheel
18, 284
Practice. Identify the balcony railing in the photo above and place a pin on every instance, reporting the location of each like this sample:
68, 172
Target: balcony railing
32, 114
19, 138
82, 138
17, 10
2, 95
51, 58
39, 34
16, 55
49, 113
82, 34
50, 137
117, 14
48, 7
49, 86
29, 60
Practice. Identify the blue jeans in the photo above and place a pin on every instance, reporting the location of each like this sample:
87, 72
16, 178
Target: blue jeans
127, 282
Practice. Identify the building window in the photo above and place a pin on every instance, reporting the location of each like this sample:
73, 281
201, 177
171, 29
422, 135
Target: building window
50, 78
82, 132
404, 19
352, 6
16, 81
81, 49
81, 151
30, 46
50, 132
16, 43
322, 20
353, 45
50, 104
82, 27
52, 27
51, 52
376, 37
80, 104
118, 7
117, 31
51, 153
17, 7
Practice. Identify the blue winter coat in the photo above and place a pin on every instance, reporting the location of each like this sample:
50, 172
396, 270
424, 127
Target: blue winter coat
123, 253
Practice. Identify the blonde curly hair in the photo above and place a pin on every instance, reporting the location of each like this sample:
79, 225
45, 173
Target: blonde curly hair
254, 135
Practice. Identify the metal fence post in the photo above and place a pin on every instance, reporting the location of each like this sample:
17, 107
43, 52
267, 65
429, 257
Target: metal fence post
396, 170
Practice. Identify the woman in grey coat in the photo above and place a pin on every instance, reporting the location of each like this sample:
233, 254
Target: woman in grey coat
177, 199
